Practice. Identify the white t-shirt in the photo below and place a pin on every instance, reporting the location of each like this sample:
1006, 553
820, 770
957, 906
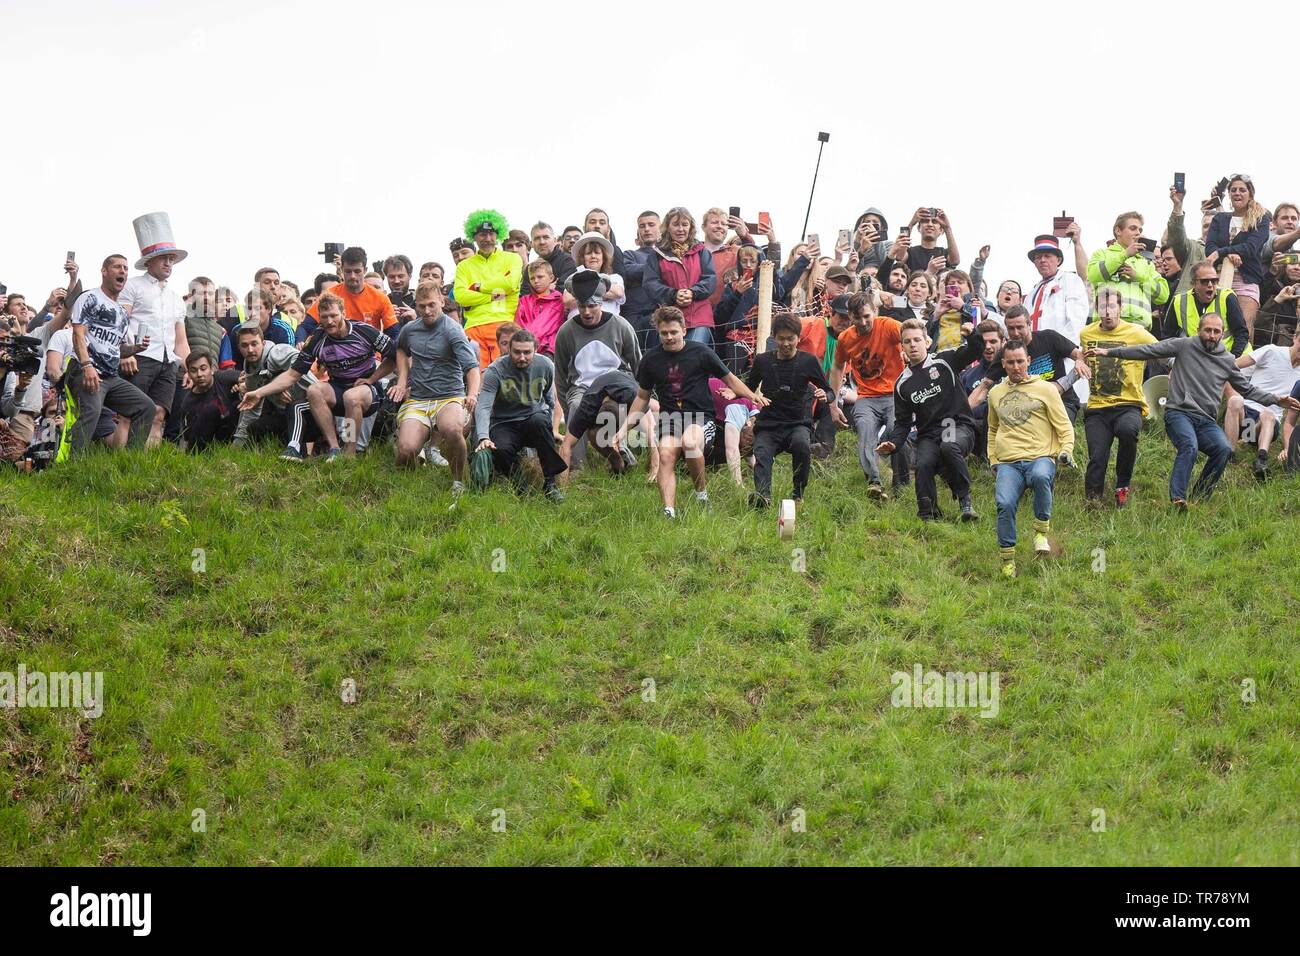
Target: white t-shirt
612, 306
1272, 372
106, 326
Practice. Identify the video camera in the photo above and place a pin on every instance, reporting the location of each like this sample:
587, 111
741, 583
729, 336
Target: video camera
21, 354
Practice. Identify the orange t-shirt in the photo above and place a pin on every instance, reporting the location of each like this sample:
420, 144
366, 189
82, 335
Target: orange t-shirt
813, 337
370, 307
875, 358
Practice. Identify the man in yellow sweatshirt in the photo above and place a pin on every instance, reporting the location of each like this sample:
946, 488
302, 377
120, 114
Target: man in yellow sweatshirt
487, 283
1028, 433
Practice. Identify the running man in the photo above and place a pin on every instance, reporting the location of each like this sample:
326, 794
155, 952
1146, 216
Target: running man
678, 372
929, 393
785, 423
1029, 432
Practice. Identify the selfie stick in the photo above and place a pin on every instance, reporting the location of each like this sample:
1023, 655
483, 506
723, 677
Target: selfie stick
822, 139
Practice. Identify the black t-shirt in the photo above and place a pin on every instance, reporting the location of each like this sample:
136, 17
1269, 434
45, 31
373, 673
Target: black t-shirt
918, 258
785, 385
1048, 351
681, 379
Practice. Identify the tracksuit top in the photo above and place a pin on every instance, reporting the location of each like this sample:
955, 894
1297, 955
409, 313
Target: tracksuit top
930, 394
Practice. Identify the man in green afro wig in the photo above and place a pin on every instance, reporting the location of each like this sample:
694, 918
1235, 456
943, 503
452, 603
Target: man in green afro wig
487, 283
490, 216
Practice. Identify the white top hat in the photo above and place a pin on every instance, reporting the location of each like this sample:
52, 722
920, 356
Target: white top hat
153, 231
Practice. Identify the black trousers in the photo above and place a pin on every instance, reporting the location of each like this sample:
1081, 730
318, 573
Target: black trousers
947, 457
1103, 426
513, 437
770, 442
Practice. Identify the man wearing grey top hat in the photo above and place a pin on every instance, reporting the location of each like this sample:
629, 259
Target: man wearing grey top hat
158, 312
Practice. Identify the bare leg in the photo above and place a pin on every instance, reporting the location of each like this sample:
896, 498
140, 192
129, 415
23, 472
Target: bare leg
1249, 308
1232, 420
451, 431
731, 435
693, 442
319, 397
411, 437
668, 452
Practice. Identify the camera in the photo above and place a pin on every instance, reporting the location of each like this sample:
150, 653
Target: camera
21, 354
331, 250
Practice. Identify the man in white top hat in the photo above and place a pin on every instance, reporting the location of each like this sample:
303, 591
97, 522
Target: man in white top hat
157, 311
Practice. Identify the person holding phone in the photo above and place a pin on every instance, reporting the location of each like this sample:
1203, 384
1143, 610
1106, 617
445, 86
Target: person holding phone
871, 240
737, 311
928, 254
1122, 266
1276, 322
1244, 249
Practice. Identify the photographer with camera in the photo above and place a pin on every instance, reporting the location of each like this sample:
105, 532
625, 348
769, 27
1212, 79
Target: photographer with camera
22, 371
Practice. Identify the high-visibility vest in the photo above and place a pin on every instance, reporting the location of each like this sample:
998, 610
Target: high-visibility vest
1187, 315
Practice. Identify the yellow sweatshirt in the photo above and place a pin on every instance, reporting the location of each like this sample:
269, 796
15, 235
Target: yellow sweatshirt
501, 271
1027, 421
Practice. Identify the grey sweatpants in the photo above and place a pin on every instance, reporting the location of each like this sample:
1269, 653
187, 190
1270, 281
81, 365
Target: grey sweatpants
869, 416
117, 394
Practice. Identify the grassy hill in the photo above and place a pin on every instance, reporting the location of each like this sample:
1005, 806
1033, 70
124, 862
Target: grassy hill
519, 694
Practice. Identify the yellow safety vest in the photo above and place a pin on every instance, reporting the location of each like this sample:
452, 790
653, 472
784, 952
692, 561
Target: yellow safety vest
1187, 315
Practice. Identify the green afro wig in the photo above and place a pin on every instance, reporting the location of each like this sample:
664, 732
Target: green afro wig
480, 216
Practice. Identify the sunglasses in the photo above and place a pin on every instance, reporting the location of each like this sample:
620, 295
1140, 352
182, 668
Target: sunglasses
1242, 176
1213, 280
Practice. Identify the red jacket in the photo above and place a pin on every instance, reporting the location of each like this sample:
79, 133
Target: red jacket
666, 274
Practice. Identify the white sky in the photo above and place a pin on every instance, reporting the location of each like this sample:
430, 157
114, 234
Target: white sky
1002, 114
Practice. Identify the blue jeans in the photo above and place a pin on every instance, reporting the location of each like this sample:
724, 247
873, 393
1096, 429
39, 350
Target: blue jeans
702, 334
1013, 476
1191, 433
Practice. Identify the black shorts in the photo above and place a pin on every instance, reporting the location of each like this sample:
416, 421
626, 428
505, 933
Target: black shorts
156, 379
674, 425
377, 393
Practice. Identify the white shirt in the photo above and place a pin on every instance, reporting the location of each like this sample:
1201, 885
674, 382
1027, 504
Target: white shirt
1063, 306
154, 309
613, 306
1272, 372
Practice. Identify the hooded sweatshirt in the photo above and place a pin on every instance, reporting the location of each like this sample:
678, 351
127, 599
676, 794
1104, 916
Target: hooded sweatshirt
873, 258
583, 354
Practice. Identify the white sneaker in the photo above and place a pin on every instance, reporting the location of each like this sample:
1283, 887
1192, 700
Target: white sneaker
435, 457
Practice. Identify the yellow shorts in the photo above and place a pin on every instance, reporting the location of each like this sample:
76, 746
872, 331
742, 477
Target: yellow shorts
425, 410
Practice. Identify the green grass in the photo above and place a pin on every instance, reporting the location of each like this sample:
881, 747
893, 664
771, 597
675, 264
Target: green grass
522, 690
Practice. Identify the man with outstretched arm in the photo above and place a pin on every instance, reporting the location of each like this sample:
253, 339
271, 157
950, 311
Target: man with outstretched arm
678, 372
1201, 368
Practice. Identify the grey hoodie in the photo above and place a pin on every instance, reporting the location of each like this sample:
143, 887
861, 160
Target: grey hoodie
1196, 382
875, 256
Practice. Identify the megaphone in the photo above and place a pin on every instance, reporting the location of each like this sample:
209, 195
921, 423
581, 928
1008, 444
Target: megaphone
1156, 390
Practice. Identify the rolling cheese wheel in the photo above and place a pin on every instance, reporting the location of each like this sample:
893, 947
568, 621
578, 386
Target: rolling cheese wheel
785, 521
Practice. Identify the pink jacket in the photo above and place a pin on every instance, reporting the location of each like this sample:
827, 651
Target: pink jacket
542, 315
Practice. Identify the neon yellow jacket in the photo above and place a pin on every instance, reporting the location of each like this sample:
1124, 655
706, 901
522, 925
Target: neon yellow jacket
501, 271
1136, 296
